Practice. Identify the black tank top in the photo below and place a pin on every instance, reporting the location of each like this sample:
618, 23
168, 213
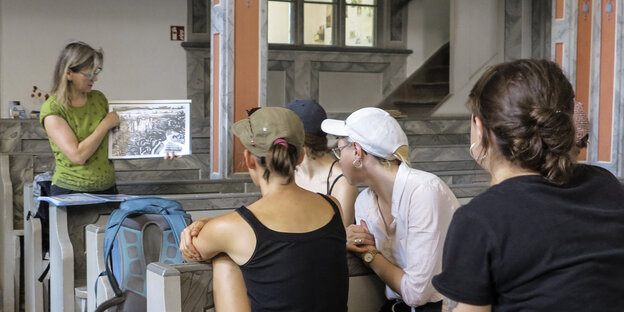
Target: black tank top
297, 271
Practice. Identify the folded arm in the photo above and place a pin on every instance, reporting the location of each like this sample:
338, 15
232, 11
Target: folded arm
78, 152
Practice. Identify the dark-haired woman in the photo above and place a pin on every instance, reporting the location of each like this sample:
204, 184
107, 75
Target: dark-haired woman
319, 172
290, 244
548, 235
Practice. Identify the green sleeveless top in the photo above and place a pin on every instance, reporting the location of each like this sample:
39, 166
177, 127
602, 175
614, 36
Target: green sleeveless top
97, 173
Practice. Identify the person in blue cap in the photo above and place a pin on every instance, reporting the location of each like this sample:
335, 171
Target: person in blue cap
320, 172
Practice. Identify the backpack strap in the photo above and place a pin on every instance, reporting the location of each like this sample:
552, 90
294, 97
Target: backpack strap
171, 210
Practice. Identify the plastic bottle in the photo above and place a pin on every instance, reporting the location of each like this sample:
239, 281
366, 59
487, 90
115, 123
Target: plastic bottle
16, 111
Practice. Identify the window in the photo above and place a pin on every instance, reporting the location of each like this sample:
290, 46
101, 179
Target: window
360, 23
280, 17
323, 22
318, 19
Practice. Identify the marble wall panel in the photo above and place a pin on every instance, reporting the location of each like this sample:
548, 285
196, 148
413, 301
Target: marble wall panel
200, 145
541, 29
436, 126
36, 146
159, 174
21, 171
436, 139
10, 145
618, 111
43, 163
183, 187
439, 153
308, 64
513, 29
446, 165
289, 70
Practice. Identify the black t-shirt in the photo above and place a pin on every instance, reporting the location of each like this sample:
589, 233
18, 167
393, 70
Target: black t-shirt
528, 245
297, 271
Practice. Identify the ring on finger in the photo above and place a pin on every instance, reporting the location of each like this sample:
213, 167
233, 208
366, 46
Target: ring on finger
358, 241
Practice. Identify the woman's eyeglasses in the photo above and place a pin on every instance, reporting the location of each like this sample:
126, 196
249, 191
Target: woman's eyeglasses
90, 75
338, 150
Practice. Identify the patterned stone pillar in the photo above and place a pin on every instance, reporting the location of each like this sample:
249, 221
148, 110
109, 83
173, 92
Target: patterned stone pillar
587, 38
238, 76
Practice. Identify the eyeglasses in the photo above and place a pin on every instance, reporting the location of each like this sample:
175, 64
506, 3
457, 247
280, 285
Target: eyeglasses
90, 75
338, 150
249, 113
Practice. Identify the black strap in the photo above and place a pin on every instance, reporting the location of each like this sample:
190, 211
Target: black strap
330, 188
44, 274
114, 301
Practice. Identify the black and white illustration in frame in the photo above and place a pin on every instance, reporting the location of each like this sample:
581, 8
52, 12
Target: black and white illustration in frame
149, 129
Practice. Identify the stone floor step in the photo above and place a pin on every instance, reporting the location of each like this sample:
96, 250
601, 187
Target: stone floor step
468, 190
186, 186
416, 140
442, 152
463, 177
446, 165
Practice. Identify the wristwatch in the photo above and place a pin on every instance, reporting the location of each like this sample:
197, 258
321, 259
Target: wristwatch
370, 255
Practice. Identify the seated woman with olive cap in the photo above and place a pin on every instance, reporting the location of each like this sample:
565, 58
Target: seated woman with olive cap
290, 244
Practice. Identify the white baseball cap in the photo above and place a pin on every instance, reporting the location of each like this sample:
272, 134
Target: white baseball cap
374, 129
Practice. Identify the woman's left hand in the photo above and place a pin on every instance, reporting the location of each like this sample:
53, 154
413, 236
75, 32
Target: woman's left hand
359, 238
188, 250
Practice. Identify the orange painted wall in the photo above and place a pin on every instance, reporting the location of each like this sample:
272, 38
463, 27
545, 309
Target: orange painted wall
559, 53
559, 5
583, 59
216, 44
607, 71
246, 67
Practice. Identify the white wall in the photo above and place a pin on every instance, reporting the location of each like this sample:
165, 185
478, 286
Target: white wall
477, 41
427, 30
140, 61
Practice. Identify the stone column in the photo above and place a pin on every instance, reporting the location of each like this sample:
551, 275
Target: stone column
238, 76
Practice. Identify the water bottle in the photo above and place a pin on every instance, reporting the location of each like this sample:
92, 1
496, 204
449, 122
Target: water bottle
16, 111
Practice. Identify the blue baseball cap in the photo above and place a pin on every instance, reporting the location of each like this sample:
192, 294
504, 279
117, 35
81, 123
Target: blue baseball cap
311, 113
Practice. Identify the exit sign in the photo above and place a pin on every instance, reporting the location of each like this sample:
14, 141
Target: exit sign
177, 33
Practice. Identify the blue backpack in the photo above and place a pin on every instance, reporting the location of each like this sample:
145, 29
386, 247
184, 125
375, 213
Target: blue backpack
127, 252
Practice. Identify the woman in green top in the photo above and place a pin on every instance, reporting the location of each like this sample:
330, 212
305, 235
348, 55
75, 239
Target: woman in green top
77, 121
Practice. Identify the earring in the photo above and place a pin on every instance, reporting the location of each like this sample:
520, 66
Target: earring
472, 153
357, 163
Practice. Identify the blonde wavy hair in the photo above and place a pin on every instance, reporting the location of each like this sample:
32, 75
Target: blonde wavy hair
76, 56
401, 154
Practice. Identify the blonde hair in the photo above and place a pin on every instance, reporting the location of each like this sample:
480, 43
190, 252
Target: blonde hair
76, 56
401, 154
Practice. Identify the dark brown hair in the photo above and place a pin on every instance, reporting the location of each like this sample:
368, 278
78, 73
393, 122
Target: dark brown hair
316, 145
527, 105
281, 160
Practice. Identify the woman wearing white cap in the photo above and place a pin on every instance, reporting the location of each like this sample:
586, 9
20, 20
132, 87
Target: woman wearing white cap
290, 244
403, 215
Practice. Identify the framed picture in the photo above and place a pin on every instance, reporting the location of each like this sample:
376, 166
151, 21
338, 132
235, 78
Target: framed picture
150, 129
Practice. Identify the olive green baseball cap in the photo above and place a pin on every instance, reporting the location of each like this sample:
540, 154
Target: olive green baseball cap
259, 131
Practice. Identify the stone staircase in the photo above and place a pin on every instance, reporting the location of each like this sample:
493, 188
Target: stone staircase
440, 146
421, 93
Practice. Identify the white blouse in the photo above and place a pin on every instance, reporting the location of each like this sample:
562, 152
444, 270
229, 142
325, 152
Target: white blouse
422, 207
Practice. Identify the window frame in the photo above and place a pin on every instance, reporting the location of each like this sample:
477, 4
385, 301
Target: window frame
338, 32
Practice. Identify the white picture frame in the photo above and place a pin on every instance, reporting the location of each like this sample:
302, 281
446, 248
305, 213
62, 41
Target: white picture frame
150, 129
